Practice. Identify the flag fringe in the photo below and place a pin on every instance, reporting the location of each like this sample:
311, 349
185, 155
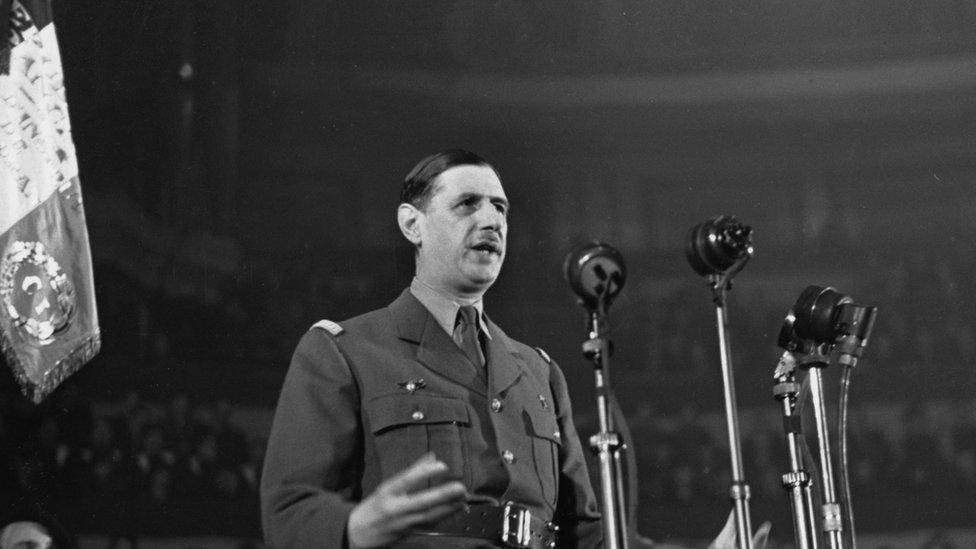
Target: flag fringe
71, 363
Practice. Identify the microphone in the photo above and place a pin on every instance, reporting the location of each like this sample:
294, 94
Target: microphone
596, 273
718, 244
717, 250
825, 315
796, 350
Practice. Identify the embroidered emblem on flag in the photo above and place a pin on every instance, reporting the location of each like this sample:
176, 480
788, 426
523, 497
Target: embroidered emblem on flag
48, 319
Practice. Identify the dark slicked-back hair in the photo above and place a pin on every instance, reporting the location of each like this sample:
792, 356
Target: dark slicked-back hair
418, 186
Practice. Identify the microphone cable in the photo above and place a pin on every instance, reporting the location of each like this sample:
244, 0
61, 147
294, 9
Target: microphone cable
845, 479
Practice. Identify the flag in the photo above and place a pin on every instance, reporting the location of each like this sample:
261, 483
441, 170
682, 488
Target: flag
48, 320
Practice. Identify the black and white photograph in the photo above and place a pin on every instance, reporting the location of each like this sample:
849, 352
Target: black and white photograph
672, 274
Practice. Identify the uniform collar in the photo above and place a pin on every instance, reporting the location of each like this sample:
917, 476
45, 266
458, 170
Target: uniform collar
415, 323
445, 309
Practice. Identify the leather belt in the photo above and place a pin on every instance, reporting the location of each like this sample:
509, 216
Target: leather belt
511, 525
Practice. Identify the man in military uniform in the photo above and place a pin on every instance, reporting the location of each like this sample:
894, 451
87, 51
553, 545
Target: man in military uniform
423, 424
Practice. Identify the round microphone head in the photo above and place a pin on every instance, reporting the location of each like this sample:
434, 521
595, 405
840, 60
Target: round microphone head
596, 273
787, 335
788, 339
716, 244
816, 313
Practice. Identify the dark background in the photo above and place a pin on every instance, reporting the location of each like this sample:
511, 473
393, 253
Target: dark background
241, 163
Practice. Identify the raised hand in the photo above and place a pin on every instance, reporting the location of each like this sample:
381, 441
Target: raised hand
727, 537
402, 502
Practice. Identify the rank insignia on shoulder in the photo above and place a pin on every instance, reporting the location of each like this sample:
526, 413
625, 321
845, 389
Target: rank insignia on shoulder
329, 326
544, 355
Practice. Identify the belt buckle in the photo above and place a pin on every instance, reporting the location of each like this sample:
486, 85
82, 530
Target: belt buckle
516, 525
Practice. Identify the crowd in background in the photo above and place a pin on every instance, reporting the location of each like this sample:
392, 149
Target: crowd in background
105, 457
96, 448
664, 326
100, 461
923, 344
893, 451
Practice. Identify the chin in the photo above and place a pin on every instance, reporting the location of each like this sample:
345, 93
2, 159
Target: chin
481, 281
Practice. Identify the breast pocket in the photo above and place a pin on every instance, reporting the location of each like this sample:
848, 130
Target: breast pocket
405, 427
546, 442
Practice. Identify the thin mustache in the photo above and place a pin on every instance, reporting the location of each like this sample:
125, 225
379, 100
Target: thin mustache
492, 239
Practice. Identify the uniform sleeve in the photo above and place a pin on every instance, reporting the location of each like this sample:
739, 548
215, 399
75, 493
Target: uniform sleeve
310, 476
577, 512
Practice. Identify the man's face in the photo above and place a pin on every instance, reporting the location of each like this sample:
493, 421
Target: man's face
462, 231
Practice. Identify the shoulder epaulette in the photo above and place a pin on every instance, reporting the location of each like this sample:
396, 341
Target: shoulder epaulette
545, 356
329, 326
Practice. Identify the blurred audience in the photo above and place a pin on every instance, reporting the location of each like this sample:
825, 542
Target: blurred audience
139, 450
161, 452
170, 449
163, 455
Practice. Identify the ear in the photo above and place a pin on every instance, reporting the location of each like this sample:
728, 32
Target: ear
409, 218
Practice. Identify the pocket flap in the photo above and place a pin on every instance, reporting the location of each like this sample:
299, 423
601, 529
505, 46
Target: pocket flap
398, 409
545, 425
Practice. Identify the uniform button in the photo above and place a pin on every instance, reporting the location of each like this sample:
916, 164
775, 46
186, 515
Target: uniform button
418, 415
496, 405
508, 456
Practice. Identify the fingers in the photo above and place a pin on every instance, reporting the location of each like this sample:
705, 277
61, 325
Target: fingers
449, 493
726, 538
415, 476
762, 536
403, 502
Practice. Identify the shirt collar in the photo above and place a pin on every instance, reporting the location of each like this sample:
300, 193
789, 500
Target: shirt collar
443, 308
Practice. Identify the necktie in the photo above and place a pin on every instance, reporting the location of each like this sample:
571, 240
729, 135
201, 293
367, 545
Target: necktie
466, 335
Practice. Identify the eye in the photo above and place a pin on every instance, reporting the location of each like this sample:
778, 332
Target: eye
470, 202
502, 208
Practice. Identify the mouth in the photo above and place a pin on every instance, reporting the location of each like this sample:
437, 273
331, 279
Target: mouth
488, 247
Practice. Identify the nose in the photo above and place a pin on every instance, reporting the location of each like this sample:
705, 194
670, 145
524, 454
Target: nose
490, 218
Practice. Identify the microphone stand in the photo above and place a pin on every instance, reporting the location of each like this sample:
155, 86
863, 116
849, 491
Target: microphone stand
826, 322
740, 490
832, 522
606, 443
797, 480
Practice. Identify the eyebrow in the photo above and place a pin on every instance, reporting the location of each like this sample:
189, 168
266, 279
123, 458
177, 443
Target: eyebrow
494, 199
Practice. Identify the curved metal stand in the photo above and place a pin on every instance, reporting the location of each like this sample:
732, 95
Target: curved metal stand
606, 443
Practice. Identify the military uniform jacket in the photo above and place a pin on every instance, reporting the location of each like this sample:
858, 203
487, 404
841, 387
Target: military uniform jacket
362, 402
